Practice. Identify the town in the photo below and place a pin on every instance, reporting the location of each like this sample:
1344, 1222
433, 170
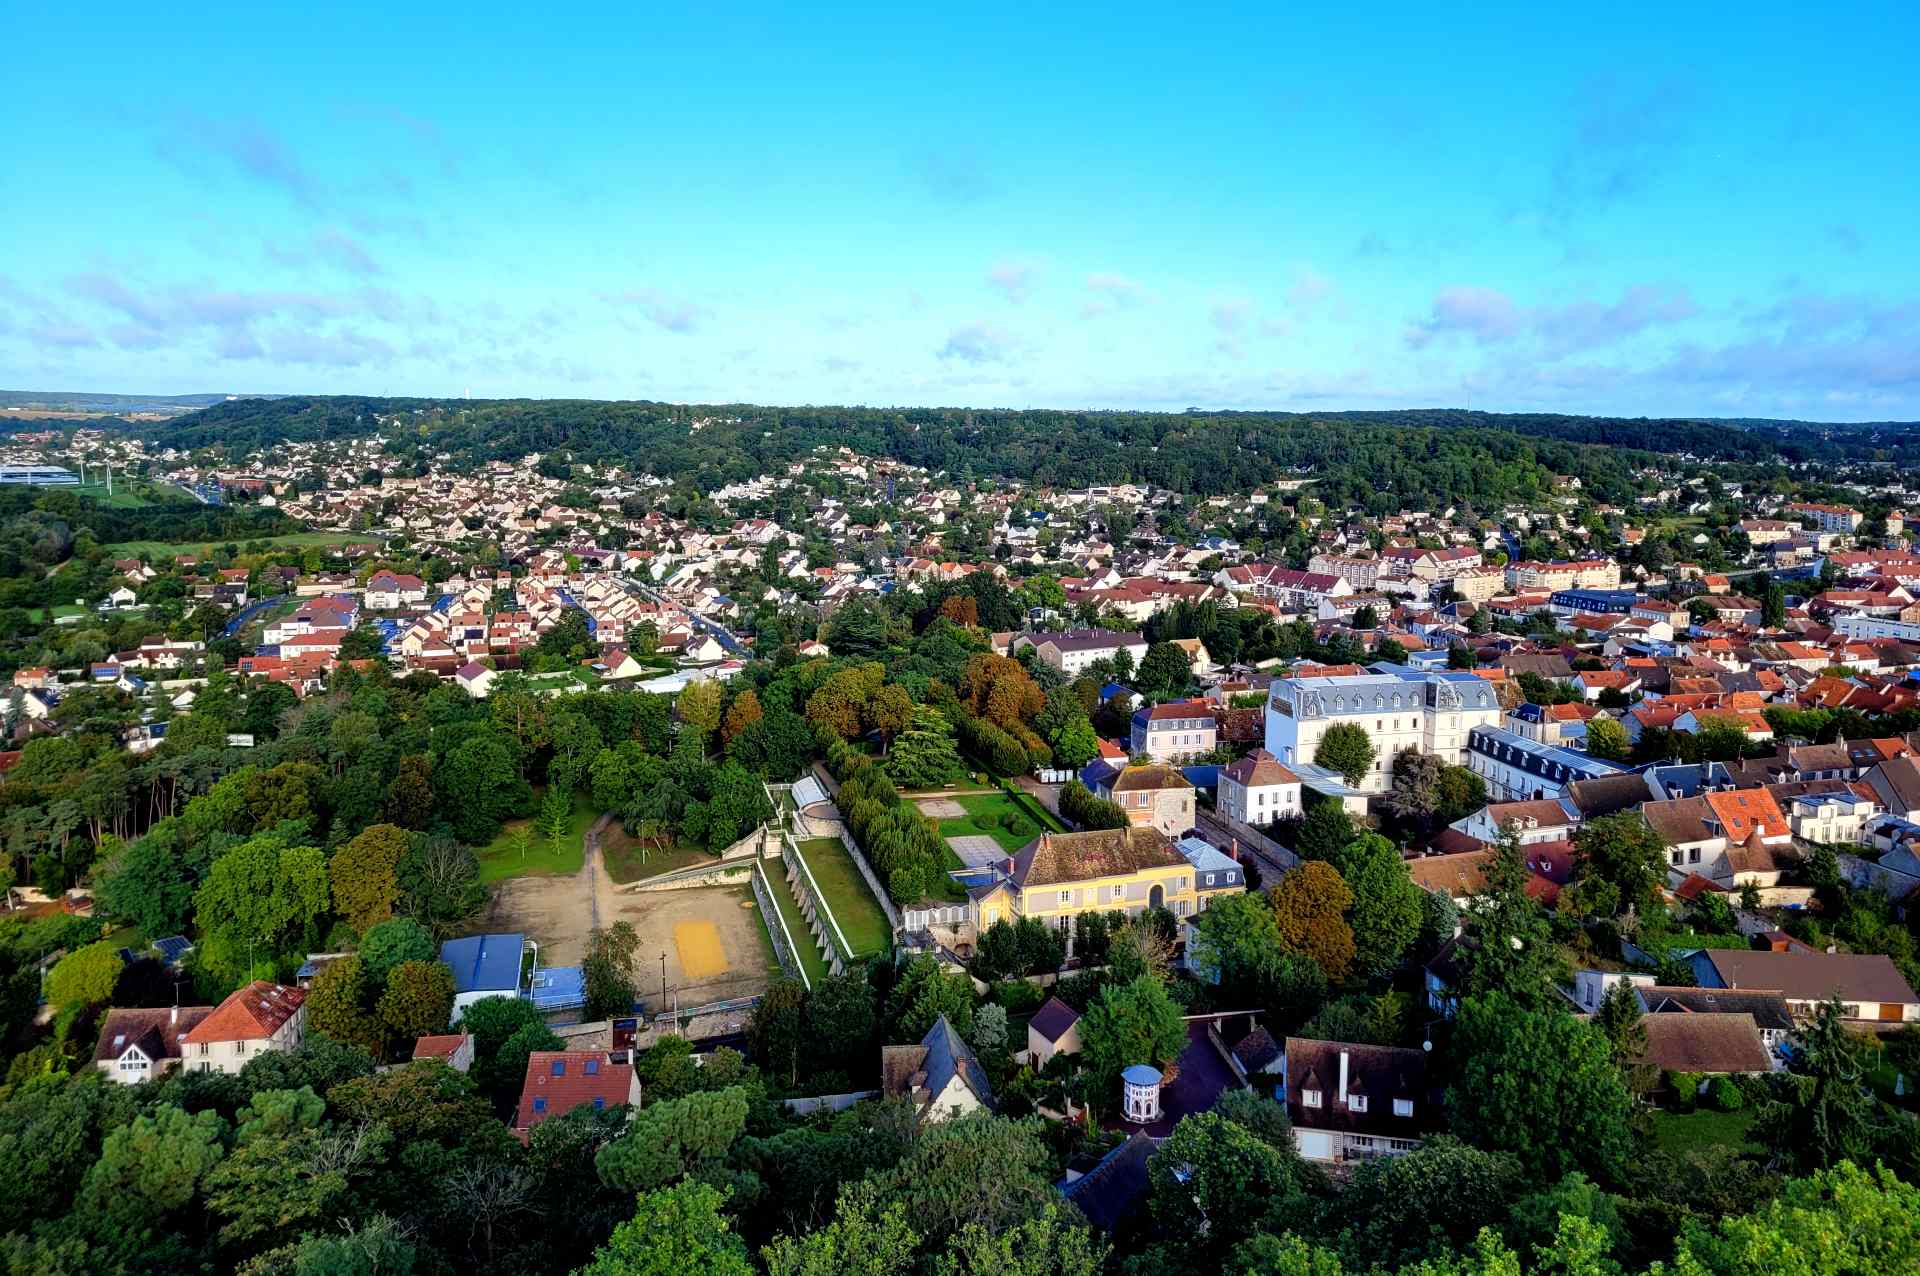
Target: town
932, 868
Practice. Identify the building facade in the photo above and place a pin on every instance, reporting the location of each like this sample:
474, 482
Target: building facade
1399, 708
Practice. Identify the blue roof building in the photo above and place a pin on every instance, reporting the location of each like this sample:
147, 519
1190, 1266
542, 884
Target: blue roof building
483, 966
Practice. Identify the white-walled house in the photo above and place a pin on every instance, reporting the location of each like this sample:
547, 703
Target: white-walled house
1258, 790
256, 1020
144, 1045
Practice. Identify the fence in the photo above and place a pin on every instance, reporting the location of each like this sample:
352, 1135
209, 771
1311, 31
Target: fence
783, 949
873, 883
813, 904
827, 1102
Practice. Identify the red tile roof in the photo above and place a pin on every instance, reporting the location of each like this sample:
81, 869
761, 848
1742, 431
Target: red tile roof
254, 1013
558, 1081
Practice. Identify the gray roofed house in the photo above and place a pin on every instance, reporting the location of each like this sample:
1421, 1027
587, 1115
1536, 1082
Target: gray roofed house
1108, 1192
941, 1075
1869, 986
1720, 1043
1054, 1029
1767, 1008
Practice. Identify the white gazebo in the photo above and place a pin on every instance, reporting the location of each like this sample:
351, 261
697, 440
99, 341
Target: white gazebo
1140, 1094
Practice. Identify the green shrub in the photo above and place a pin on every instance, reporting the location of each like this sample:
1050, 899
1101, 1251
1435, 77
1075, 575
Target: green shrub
1018, 996
1686, 1089
1725, 1095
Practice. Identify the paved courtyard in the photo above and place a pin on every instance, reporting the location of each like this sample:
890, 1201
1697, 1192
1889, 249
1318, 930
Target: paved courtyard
976, 850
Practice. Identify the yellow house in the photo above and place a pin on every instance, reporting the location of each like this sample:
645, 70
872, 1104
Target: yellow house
1058, 876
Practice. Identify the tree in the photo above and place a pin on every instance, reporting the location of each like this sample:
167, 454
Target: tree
1624, 852
676, 1231
1415, 793
85, 976
1309, 904
1075, 744
1164, 671
923, 755
1127, 1024
1214, 1183
1347, 751
337, 1007
1386, 911
776, 1031
556, 816
152, 1166
479, 786
861, 1240
978, 1170
1049, 1245
365, 875
699, 705
888, 710
1326, 829
1618, 1020
1539, 1084
742, 713
1827, 1117
1428, 1204
671, 1138
608, 971
1607, 740
409, 801
1507, 944
1773, 606
390, 943
418, 999
264, 892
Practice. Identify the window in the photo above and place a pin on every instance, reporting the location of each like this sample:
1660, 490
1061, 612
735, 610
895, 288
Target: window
1209, 879
1357, 1102
1066, 898
539, 1105
559, 1067
1310, 1098
598, 1103
1403, 1107
593, 1067
1693, 856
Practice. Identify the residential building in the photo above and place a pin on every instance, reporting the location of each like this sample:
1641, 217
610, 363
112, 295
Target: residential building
1828, 518
1258, 790
389, 591
144, 1045
1168, 732
256, 1020
1518, 769
1869, 986
1399, 708
1158, 796
558, 1081
941, 1076
1351, 1102
1073, 650
1054, 1029
1215, 871
453, 1049
1058, 876
1708, 1044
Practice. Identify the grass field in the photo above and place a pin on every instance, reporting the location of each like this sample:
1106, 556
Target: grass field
132, 496
166, 549
853, 905
64, 609
1684, 1132
804, 946
984, 812
627, 861
499, 860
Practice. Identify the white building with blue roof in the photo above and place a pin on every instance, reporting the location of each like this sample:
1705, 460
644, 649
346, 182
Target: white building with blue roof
483, 966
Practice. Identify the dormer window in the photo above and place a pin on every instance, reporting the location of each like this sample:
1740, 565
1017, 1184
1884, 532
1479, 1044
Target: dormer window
1310, 1098
1403, 1107
1357, 1102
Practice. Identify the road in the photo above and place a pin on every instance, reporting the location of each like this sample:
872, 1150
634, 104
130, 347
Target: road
252, 609
1217, 831
720, 632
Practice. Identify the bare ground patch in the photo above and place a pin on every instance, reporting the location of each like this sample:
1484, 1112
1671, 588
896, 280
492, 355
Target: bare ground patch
554, 912
941, 809
685, 927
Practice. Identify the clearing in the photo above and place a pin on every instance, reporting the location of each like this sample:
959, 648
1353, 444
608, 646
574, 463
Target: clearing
628, 860
708, 942
167, 549
1684, 1132
853, 905
501, 859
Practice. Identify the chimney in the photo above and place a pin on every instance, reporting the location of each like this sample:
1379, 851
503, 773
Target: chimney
1343, 1076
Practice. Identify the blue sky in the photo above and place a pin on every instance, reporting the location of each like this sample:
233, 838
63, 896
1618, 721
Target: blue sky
1648, 209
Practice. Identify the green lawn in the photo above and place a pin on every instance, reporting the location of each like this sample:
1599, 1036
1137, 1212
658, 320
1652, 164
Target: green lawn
628, 861
1678, 1132
804, 946
499, 860
64, 609
167, 549
984, 812
853, 905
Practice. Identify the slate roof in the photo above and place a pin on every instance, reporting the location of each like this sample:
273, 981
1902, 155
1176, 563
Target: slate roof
158, 1034
921, 1072
1381, 1073
1078, 857
1767, 1009
1053, 1020
1139, 779
1110, 1190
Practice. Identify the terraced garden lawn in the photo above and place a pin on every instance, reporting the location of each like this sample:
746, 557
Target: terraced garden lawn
985, 813
853, 905
804, 946
629, 861
501, 858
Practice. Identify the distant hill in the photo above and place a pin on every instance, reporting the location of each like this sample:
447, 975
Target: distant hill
90, 402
